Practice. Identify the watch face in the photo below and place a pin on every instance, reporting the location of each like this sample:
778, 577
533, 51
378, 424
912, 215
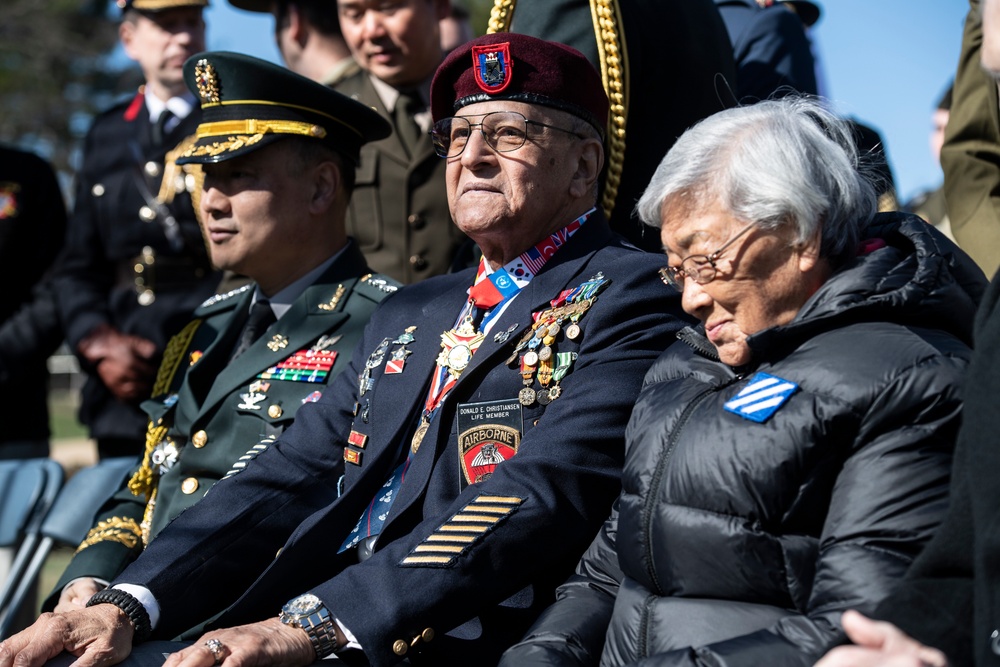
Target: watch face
303, 605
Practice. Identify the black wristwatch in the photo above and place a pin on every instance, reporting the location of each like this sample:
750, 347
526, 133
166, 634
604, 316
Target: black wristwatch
129, 604
307, 612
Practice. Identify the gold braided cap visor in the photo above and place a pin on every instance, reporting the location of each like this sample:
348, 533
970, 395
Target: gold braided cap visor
243, 133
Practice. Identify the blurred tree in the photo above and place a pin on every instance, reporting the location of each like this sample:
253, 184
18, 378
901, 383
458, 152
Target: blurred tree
57, 69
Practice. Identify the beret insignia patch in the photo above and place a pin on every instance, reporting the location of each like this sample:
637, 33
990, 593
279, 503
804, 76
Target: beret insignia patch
493, 66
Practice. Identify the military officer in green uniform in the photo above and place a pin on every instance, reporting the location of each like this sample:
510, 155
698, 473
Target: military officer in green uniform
278, 153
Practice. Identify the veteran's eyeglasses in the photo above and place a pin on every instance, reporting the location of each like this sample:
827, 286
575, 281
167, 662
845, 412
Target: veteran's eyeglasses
699, 268
504, 131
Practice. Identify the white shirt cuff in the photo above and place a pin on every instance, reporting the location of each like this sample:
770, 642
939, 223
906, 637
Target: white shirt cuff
145, 597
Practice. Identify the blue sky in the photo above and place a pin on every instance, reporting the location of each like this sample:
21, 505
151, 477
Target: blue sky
884, 61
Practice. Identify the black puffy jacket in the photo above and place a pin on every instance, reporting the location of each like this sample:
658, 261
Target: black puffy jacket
741, 534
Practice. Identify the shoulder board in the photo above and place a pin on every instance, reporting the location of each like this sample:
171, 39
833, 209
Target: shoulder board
376, 286
221, 298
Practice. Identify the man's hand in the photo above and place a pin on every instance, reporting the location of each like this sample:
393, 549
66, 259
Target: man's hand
125, 363
75, 595
879, 644
269, 642
98, 635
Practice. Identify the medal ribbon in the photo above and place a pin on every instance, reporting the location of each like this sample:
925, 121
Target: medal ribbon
487, 293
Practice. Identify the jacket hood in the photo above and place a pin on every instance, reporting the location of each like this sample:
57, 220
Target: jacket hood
916, 276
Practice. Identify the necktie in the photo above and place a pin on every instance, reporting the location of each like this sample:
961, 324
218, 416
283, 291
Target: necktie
261, 317
408, 104
159, 127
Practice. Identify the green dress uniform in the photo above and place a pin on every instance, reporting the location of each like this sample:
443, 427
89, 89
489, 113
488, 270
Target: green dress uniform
208, 414
970, 155
399, 208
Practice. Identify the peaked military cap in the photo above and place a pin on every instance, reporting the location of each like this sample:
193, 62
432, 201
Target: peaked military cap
248, 103
512, 66
158, 5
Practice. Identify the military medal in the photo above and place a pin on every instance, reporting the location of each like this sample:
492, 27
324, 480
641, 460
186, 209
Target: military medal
418, 435
544, 377
458, 346
164, 456
526, 396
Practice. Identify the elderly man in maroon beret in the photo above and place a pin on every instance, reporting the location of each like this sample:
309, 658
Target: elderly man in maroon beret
428, 504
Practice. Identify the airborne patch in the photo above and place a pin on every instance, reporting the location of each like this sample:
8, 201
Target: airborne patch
457, 535
489, 433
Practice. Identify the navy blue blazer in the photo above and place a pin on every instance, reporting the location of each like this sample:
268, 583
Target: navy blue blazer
273, 531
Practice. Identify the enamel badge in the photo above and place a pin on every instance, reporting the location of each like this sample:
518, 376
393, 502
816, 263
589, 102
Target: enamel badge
761, 398
492, 66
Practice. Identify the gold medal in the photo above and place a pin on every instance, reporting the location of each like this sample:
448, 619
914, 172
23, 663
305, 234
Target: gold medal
458, 346
554, 393
418, 435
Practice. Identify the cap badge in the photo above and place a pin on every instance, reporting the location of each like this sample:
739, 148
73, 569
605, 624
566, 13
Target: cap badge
207, 80
492, 66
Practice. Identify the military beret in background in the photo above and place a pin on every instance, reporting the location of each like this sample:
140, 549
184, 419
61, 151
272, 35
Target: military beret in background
511, 66
248, 103
158, 5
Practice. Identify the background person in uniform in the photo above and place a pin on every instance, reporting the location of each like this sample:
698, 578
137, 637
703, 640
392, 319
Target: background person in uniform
32, 229
777, 470
945, 611
399, 211
930, 204
273, 210
308, 36
136, 264
487, 461
970, 156
674, 73
456, 27
772, 50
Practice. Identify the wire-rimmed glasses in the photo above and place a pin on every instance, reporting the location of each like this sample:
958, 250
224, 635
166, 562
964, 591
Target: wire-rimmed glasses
504, 131
699, 268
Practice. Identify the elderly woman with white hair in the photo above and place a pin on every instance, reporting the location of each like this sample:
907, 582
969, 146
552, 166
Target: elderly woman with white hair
792, 458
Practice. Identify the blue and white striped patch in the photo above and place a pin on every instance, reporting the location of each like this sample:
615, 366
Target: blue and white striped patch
761, 398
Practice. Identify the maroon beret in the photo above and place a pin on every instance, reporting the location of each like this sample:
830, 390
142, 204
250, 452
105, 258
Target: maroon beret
511, 66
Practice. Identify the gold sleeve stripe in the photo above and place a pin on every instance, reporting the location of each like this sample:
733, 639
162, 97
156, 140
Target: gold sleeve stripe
490, 509
422, 560
505, 500
439, 548
462, 531
451, 538
472, 518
